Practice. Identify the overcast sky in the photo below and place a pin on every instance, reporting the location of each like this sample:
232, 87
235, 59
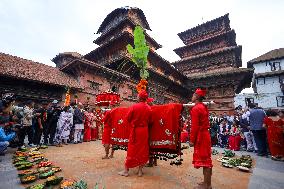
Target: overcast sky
40, 29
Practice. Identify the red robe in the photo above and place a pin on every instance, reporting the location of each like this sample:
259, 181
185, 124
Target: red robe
184, 134
89, 118
235, 140
139, 117
106, 138
200, 136
275, 136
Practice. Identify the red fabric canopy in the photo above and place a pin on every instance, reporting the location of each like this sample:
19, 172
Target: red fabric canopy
107, 98
165, 131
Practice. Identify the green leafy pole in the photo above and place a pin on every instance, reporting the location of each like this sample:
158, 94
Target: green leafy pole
140, 52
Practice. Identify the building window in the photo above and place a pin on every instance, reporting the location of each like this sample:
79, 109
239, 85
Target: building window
275, 66
134, 92
261, 81
280, 101
281, 79
94, 86
249, 101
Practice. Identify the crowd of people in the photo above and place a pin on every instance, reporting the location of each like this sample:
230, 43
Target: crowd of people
46, 123
251, 129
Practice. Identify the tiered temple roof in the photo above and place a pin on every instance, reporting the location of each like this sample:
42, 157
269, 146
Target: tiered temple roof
116, 32
211, 50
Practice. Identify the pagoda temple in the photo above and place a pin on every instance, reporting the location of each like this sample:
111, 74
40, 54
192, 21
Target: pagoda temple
116, 31
211, 59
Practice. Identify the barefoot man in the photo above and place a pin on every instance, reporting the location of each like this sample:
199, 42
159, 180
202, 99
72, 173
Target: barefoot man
200, 137
106, 138
139, 117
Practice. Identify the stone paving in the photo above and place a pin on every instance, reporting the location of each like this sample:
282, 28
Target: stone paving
267, 174
8, 174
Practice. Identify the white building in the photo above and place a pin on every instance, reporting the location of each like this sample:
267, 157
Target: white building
268, 81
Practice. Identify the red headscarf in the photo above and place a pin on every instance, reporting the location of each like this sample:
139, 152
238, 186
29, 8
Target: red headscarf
200, 92
143, 95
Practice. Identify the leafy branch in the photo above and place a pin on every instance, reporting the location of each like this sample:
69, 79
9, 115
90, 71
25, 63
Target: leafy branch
140, 52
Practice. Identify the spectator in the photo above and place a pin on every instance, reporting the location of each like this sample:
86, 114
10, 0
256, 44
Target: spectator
64, 126
244, 124
53, 117
256, 118
224, 129
41, 124
234, 138
275, 136
4, 140
79, 123
27, 124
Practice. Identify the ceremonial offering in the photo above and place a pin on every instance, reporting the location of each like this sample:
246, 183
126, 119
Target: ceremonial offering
56, 169
53, 180
227, 165
67, 184
44, 169
36, 186
241, 168
27, 172
28, 179
46, 174
25, 166
44, 164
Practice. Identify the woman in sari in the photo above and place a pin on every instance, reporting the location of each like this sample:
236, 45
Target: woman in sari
275, 137
94, 127
99, 124
64, 125
89, 119
235, 138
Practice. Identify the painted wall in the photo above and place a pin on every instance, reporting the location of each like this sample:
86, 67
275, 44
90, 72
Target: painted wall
268, 88
263, 67
264, 100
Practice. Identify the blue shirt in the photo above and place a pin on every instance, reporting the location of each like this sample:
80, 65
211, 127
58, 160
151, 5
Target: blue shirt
4, 137
256, 119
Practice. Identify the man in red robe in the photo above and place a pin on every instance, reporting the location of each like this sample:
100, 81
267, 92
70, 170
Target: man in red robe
106, 137
200, 137
139, 117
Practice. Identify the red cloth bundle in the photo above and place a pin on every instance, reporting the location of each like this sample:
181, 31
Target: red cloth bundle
165, 131
120, 126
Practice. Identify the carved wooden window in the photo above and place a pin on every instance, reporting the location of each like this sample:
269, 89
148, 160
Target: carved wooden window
261, 80
94, 86
275, 66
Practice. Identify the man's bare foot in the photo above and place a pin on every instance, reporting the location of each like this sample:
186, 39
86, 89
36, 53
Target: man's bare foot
111, 156
105, 157
123, 173
149, 165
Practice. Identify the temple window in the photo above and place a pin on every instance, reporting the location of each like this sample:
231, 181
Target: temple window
94, 85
